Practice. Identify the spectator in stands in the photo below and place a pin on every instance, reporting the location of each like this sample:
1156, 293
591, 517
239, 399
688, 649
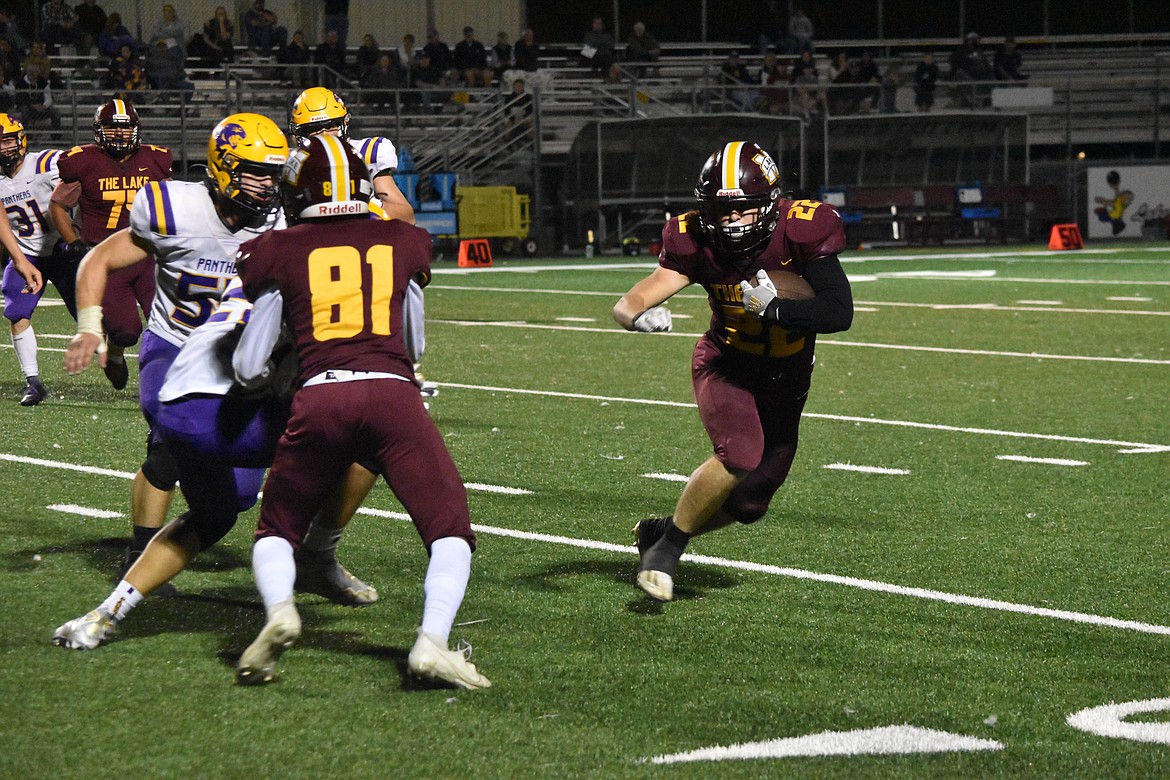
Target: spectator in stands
295, 57
891, 81
517, 110
7, 88
800, 31
263, 29
427, 77
113, 36
59, 24
91, 18
526, 54
165, 69
739, 82
367, 55
844, 95
597, 47
126, 74
925, 76
337, 18
868, 75
406, 59
470, 60
215, 44
774, 78
37, 61
968, 63
330, 54
807, 100
381, 82
33, 96
171, 30
1008, 61
500, 57
10, 29
441, 58
641, 47
10, 59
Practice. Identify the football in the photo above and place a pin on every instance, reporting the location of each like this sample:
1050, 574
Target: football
789, 285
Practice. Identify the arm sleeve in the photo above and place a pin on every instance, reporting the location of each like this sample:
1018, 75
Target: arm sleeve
250, 360
413, 330
830, 311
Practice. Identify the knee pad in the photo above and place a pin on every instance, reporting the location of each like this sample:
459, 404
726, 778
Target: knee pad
160, 468
205, 530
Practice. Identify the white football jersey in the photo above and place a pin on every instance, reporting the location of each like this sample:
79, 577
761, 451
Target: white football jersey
195, 253
203, 366
26, 199
377, 153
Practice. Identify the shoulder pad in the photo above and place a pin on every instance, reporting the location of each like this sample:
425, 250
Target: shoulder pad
814, 225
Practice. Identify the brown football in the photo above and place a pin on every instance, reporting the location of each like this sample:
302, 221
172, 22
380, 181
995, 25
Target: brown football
789, 285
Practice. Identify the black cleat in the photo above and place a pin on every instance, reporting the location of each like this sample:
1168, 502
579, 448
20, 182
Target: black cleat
34, 392
647, 532
118, 373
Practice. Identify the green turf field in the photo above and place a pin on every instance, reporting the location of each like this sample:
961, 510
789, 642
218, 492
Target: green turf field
971, 550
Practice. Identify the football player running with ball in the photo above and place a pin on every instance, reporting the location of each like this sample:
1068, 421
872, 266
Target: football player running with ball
751, 370
341, 279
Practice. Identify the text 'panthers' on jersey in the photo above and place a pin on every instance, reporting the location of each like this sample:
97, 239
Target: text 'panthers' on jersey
105, 187
26, 196
807, 231
195, 253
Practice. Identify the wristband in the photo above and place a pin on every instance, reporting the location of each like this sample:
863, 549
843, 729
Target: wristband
89, 320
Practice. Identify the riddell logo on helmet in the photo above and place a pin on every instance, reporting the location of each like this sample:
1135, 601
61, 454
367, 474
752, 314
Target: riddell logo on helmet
341, 209
736, 193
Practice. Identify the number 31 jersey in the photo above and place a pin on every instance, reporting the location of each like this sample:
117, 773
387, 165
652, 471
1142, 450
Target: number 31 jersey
26, 200
107, 187
195, 253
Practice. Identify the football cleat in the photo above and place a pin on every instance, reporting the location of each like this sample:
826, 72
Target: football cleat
86, 632
34, 392
649, 531
430, 659
118, 373
658, 585
257, 665
328, 578
427, 388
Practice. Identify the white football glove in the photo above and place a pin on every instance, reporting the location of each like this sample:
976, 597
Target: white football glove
654, 320
757, 298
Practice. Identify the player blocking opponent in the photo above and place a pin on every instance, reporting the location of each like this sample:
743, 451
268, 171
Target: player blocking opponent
752, 369
26, 185
341, 278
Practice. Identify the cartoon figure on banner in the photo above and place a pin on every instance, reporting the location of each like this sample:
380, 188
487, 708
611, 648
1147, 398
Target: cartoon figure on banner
1112, 209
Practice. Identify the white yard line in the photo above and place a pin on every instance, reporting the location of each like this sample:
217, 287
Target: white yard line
748, 566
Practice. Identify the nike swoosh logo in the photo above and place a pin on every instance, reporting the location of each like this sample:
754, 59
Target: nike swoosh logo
142, 170
786, 262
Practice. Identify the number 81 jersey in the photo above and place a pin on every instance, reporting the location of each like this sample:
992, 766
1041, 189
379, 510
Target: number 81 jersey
26, 198
195, 253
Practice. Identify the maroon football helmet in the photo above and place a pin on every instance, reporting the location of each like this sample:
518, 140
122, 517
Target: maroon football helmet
325, 178
116, 115
738, 177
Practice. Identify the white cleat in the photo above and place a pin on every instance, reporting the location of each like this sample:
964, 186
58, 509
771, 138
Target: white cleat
258, 663
430, 659
657, 584
86, 632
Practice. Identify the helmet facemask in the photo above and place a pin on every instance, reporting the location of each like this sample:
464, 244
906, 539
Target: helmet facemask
743, 235
12, 154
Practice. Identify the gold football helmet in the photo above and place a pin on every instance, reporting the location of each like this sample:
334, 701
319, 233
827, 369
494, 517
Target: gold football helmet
247, 144
317, 109
10, 127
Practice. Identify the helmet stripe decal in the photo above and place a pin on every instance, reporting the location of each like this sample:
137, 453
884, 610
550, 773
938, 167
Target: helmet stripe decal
731, 165
339, 165
120, 107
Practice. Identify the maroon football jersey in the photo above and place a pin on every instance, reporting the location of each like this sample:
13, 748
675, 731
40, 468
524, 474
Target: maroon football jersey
807, 230
343, 285
108, 187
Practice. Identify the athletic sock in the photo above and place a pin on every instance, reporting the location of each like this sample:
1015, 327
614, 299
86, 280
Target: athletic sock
25, 346
275, 571
445, 585
664, 555
321, 542
124, 598
142, 537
